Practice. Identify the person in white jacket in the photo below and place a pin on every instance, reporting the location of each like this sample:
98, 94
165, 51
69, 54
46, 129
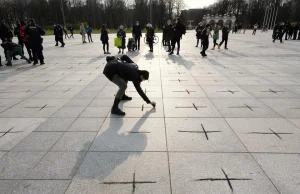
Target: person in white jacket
82, 32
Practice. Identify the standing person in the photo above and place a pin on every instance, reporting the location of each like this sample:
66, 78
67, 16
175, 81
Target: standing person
66, 32
82, 32
164, 38
198, 33
104, 38
122, 34
59, 33
71, 31
291, 30
17, 33
299, 31
169, 35
205, 39
225, 34
120, 71
34, 32
89, 31
150, 36
278, 32
286, 28
245, 28
25, 40
254, 29
137, 34
13, 49
216, 35
178, 32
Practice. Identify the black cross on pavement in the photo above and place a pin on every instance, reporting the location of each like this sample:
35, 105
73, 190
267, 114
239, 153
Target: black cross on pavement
179, 80
142, 108
184, 91
42, 107
194, 106
9, 131
272, 91
134, 132
246, 106
227, 179
271, 133
203, 131
229, 91
133, 183
144, 91
178, 73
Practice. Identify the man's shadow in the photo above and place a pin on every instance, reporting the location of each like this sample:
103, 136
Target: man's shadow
129, 143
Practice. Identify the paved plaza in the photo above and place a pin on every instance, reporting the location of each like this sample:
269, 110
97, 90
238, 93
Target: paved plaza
228, 123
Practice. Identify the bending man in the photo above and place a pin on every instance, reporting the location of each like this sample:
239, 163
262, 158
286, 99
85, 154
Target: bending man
120, 71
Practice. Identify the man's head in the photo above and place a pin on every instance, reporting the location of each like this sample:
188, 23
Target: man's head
144, 75
23, 23
169, 22
122, 27
137, 23
32, 21
178, 19
207, 26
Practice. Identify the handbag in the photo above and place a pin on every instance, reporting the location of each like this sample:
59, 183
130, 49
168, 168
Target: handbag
118, 42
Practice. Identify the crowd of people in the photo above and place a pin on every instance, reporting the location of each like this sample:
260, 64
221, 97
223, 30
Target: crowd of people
290, 31
29, 35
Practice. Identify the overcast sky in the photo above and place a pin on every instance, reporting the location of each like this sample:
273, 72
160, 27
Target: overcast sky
198, 3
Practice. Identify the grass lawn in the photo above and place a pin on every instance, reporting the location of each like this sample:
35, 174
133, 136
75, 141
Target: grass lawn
50, 32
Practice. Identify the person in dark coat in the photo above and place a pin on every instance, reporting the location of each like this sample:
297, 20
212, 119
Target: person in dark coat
296, 28
299, 31
6, 35
205, 39
71, 31
11, 50
198, 34
286, 28
122, 34
291, 31
278, 32
59, 34
120, 71
164, 37
150, 36
169, 34
33, 33
179, 30
104, 38
225, 34
137, 34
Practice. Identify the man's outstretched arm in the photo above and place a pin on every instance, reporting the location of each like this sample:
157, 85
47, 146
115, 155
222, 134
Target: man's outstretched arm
138, 88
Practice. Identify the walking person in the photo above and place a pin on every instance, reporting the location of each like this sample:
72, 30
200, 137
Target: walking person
71, 31
205, 39
137, 34
25, 40
89, 31
278, 32
169, 35
216, 35
82, 32
245, 28
122, 34
104, 38
66, 32
179, 30
20, 39
13, 49
59, 33
254, 29
150, 36
34, 32
120, 71
225, 34
198, 33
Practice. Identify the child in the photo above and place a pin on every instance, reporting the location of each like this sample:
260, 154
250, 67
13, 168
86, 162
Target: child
12, 49
131, 45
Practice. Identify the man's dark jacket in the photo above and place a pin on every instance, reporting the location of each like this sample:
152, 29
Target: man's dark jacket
128, 72
137, 31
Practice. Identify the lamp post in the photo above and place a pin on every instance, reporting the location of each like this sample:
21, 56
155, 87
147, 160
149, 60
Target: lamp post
62, 11
151, 10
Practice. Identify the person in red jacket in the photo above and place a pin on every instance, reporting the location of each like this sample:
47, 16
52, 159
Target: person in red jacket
25, 40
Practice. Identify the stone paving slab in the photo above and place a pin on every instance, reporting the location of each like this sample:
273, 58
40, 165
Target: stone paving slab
228, 123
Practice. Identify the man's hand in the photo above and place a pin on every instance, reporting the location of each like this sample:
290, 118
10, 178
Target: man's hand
153, 104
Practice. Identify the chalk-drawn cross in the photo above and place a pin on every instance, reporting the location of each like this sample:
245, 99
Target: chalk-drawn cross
203, 131
229, 91
194, 106
134, 183
179, 80
227, 179
271, 133
246, 106
9, 131
272, 91
184, 91
40, 107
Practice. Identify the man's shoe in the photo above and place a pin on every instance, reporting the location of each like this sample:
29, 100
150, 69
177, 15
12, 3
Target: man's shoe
56, 45
15, 58
171, 53
35, 63
108, 53
117, 111
177, 53
8, 64
29, 62
42, 63
63, 45
125, 97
